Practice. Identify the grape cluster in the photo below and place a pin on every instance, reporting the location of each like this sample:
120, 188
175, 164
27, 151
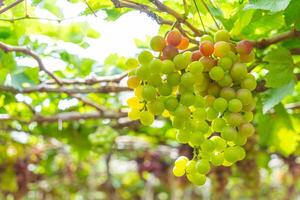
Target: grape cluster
207, 94
102, 140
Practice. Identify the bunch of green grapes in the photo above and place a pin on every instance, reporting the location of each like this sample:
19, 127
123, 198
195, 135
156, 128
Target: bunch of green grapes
207, 94
102, 139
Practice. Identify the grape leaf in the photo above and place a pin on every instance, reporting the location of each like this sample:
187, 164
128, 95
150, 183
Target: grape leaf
270, 5
292, 14
280, 66
242, 22
275, 95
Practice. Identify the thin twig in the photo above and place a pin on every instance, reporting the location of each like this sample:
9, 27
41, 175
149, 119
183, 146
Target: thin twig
89, 6
10, 6
199, 15
212, 16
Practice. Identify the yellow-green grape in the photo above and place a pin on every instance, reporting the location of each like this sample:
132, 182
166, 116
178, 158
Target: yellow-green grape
158, 43
196, 138
225, 63
219, 142
146, 118
233, 154
188, 79
167, 67
182, 112
197, 178
135, 103
222, 35
196, 67
155, 66
218, 124
217, 158
248, 116
148, 92
226, 81
155, 80
134, 114
246, 129
133, 82
206, 38
208, 146
240, 140
229, 133
199, 101
131, 63
245, 96
181, 161
238, 71
183, 136
209, 100
227, 93
249, 83
234, 119
178, 172
216, 73
173, 79
143, 72
181, 61
156, 107
202, 166
199, 114
190, 167
235, 105
187, 99
171, 103
145, 57
211, 114
220, 104
165, 90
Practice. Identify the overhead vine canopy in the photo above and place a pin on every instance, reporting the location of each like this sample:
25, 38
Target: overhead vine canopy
63, 112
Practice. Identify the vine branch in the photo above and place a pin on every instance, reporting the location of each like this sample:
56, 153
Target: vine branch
10, 6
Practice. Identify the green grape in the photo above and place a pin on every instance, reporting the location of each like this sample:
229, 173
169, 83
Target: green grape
235, 105
148, 92
196, 67
248, 116
181, 161
173, 79
131, 63
238, 71
202, 166
246, 129
187, 99
227, 93
249, 83
187, 56
191, 167
143, 72
178, 172
178, 123
171, 103
145, 57
209, 100
183, 136
199, 114
196, 138
203, 126
221, 49
188, 79
206, 38
225, 63
197, 178
216, 73
181, 61
211, 114
235, 153
240, 140
146, 118
199, 101
226, 81
205, 155
158, 43
155, 66
213, 89
218, 124
229, 133
250, 106
155, 80
207, 62
245, 96
134, 114
233, 56
156, 107
219, 142
182, 89
234, 119
222, 35
182, 112
220, 104
217, 158
164, 90
167, 67
208, 146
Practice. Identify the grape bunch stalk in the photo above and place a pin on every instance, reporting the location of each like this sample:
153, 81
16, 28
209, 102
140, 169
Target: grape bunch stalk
207, 94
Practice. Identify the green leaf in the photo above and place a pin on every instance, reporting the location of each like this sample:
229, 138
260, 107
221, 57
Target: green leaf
274, 96
271, 5
280, 66
243, 20
292, 14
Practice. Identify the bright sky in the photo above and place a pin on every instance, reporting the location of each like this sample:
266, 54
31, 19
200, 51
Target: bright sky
116, 36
